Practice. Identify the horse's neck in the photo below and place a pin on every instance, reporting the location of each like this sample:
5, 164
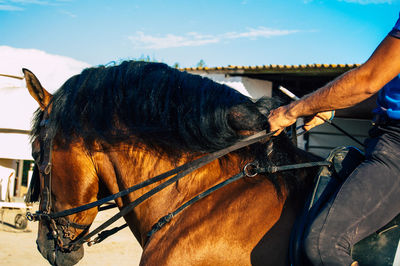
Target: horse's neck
121, 170
124, 167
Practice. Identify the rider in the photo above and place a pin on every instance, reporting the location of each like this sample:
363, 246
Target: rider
370, 197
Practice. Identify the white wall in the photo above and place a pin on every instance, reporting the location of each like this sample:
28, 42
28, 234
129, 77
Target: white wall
253, 88
16, 104
7, 175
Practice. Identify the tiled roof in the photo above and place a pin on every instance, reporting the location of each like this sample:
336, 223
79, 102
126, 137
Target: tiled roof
274, 68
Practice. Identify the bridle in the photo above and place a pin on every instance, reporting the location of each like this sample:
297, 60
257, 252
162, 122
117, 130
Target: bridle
54, 219
43, 167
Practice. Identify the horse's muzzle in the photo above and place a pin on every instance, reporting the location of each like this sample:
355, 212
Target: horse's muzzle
47, 247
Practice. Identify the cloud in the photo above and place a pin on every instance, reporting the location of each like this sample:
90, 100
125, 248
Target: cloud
10, 8
19, 5
69, 14
259, 32
28, 2
147, 41
141, 40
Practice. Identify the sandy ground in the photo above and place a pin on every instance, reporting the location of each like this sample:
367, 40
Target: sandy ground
18, 247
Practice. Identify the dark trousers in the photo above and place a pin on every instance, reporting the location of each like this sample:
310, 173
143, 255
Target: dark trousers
367, 200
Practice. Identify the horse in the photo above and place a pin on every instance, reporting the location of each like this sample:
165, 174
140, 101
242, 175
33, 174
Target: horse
112, 127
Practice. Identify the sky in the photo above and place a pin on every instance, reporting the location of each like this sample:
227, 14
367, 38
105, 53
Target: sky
219, 32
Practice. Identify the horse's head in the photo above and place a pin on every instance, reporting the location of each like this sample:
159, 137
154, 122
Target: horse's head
67, 179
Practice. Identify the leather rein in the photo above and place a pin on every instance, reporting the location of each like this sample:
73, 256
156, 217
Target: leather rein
43, 163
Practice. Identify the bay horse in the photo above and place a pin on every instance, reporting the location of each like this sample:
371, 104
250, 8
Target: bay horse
110, 128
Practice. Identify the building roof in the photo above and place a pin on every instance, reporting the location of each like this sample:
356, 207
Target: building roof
316, 69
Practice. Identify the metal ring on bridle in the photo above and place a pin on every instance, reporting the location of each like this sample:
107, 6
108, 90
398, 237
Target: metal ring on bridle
47, 170
30, 217
250, 170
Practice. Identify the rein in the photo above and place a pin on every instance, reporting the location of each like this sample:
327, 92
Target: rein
58, 218
44, 165
180, 172
246, 172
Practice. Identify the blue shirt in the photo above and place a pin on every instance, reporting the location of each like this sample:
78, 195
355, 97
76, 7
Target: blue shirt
396, 30
389, 99
389, 96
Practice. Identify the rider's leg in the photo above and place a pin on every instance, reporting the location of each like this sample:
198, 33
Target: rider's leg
367, 200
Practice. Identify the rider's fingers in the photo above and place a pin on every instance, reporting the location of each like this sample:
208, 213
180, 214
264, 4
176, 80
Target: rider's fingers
316, 121
319, 119
328, 115
278, 132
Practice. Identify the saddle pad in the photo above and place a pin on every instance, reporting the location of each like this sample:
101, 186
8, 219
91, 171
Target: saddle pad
381, 248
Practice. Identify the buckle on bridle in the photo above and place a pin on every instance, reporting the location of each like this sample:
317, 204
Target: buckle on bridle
38, 216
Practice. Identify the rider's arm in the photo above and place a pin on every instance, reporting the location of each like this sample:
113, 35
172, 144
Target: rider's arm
355, 85
348, 89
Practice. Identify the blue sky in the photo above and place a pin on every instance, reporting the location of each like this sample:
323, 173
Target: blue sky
221, 32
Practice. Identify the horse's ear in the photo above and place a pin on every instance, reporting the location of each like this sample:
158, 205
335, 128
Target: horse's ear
42, 96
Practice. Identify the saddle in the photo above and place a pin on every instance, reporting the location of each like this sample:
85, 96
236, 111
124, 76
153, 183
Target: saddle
379, 249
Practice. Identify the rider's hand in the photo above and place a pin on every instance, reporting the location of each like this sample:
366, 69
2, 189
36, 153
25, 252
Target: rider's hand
318, 119
279, 119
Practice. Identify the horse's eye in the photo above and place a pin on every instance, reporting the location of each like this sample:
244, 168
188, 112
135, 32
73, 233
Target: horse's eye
36, 156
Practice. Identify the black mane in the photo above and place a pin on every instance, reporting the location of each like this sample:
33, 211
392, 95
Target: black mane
164, 109
159, 106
